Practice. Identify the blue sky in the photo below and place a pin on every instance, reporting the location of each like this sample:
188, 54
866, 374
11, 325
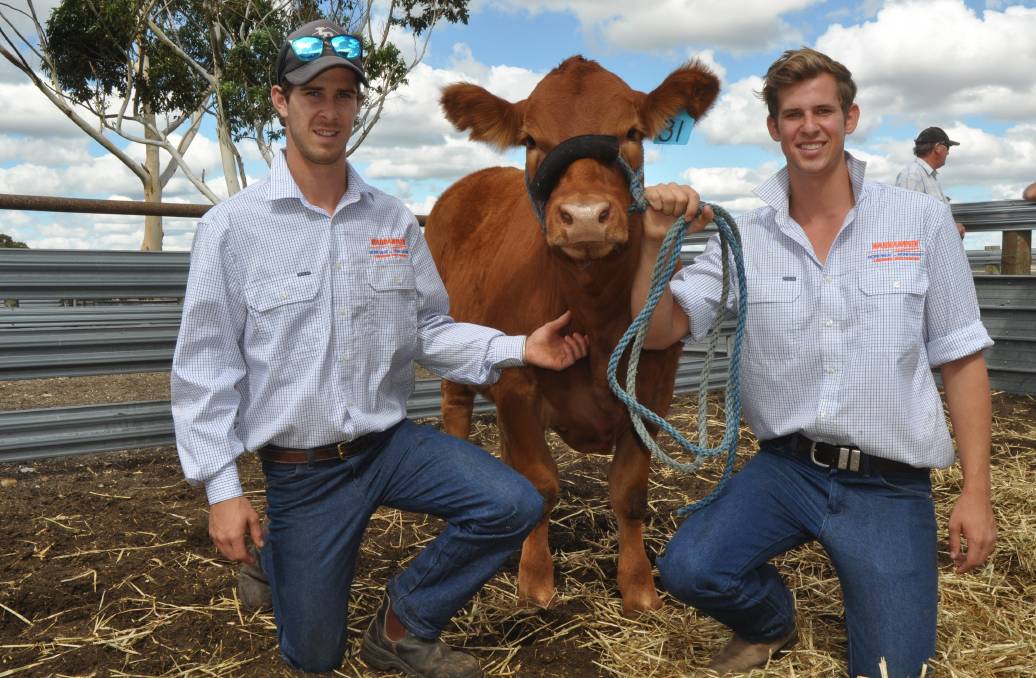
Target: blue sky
965, 66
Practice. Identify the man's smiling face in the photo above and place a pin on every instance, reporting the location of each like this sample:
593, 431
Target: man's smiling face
811, 126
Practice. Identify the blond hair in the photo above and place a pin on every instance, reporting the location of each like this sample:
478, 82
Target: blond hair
797, 65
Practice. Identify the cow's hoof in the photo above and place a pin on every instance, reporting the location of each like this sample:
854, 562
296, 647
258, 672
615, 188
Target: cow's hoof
636, 605
542, 599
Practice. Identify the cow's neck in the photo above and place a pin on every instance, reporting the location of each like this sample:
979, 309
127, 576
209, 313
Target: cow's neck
599, 293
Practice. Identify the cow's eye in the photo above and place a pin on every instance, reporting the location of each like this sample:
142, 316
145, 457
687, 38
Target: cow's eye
634, 134
529, 143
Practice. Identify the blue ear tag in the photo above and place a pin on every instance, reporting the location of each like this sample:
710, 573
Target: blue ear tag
677, 131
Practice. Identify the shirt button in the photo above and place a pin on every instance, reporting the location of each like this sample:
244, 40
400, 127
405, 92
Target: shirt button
829, 323
827, 278
829, 370
897, 284
338, 266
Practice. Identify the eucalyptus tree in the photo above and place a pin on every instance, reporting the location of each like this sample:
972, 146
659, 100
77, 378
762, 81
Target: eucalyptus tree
150, 72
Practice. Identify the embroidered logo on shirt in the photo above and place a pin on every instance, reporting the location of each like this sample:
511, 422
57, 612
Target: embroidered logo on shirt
389, 248
895, 250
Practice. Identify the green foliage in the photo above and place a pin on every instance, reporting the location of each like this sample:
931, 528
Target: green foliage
420, 15
9, 242
97, 46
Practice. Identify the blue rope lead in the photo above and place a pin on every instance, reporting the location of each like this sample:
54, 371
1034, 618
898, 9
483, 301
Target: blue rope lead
668, 255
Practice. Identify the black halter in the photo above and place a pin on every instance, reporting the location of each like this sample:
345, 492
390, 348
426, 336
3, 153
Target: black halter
594, 146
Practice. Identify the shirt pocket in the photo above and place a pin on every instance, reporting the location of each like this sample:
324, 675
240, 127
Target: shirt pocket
893, 309
393, 308
770, 302
776, 319
285, 311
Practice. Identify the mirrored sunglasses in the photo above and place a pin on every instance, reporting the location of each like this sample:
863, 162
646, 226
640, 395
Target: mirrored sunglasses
308, 48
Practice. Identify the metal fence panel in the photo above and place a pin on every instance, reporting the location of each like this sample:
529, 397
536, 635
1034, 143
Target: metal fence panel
67, 431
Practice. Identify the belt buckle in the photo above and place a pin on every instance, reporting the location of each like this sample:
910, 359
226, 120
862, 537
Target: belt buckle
341, 449
849, 458
813, 455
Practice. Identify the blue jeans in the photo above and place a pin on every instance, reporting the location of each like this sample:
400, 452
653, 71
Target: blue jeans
316, 515
878, 530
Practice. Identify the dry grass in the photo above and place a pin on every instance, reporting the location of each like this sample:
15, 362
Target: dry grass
987, 619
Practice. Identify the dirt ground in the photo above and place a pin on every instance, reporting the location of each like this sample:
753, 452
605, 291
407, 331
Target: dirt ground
106, 570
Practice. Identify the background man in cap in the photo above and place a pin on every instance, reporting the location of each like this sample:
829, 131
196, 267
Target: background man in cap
310, 296
931, 147
1030, 192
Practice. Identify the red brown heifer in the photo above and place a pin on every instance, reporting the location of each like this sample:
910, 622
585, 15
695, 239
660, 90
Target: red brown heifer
506, 269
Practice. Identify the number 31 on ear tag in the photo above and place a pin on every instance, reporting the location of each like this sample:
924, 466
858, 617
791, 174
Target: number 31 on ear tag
677, 131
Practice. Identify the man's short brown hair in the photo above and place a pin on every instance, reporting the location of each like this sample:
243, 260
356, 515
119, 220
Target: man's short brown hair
797, 65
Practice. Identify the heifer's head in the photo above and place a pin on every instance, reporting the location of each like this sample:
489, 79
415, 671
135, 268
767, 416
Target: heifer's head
585, 200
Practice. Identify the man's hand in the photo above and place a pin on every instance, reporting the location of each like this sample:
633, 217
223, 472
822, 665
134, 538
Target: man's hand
229, 522
666, 203
972, 518
547, 347
961, 231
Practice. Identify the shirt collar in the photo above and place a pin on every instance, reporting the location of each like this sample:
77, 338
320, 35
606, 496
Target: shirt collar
282, 184
775, 190
928, 169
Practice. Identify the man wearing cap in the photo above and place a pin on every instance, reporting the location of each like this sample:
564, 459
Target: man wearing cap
931, 147
310, 296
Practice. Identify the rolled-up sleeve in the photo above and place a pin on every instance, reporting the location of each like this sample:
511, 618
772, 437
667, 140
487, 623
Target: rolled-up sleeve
953, 328
698, 289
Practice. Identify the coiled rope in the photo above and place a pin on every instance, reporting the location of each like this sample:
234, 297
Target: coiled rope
669, 254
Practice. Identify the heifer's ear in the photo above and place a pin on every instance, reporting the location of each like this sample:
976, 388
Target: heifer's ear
692, 88
488, 117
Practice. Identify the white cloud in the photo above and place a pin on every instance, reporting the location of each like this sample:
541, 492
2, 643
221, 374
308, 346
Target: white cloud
938, 59
451, 160
747, 26
730, 187
24, 110
738, 117
45, 151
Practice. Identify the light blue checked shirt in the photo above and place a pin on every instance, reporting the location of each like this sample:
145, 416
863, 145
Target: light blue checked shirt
302, 330
843, 351
919, 176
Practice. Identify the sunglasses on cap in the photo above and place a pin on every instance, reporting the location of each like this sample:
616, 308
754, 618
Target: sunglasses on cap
308, 48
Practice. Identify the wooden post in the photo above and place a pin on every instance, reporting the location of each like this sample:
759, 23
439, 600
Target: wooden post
1016, 254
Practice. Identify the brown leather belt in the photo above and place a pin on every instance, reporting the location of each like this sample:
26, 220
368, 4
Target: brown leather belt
841, 457
338, 451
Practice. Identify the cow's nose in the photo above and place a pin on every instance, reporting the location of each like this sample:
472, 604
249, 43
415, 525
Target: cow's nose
585, 221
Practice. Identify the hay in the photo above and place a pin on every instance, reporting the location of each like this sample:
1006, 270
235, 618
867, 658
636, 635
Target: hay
131, 626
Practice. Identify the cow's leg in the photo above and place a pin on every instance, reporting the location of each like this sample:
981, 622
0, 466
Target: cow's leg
627, 489
523, 446
457, 404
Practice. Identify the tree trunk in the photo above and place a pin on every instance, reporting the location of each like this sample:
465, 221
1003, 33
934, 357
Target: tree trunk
226, 145
153, 233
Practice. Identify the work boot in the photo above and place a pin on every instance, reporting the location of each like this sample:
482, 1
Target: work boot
739, 655
412, 655
253, 590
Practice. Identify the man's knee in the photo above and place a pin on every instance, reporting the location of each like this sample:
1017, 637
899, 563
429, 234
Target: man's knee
692, 576
519, 509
